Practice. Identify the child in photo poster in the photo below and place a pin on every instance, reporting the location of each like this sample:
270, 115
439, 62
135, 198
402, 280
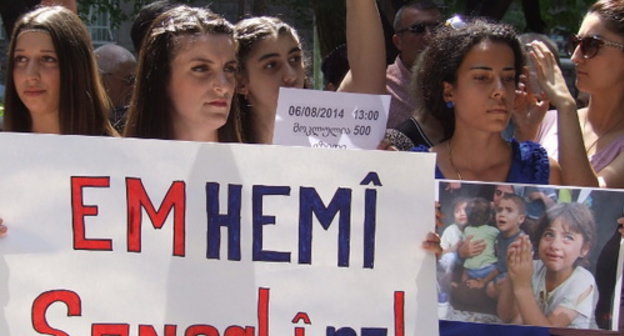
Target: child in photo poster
556, 289
480, 269
451, 238
510, 215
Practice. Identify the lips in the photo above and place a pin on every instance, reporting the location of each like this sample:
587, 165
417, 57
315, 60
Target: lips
34, 92
552, 257
218, 103
498, 111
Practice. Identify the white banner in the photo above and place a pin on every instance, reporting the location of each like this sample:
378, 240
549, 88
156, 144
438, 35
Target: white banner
112, 236
325, 119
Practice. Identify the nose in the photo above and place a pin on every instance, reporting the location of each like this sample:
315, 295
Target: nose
499, 88
222, 83
290, 76
577, 55
555, 243
32, 70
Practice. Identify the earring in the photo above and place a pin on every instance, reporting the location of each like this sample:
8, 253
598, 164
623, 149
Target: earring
449, 104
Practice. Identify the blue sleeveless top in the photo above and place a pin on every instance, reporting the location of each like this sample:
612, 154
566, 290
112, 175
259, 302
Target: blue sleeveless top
529, 163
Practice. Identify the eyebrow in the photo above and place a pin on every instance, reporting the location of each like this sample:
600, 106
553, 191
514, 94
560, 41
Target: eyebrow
483, 67
201, 59
267, 56
41, 50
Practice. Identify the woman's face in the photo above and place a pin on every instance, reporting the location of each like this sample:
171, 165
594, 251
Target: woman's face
559, 247
485, 89
203, 79
275, 62
36, 73
604, 71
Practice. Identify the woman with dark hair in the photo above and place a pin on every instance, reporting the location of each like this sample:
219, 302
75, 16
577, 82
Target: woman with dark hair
52, 83
186, 79
271, 57
467, 80
590, 141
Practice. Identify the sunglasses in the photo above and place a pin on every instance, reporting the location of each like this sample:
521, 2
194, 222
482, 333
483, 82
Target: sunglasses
420, 28
590, 45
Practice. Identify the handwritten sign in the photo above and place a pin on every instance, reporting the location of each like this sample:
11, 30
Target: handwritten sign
113, 236
325, 119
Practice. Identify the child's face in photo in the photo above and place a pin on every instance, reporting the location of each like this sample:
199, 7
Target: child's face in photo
460, 214
559, 247
508, 217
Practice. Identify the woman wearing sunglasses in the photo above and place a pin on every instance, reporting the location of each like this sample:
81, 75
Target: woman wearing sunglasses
590, 142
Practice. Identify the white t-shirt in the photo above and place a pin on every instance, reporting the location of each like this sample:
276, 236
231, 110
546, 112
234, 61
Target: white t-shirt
567, 295
451, 236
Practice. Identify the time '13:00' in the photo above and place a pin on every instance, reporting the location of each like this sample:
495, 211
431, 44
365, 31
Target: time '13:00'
365, 115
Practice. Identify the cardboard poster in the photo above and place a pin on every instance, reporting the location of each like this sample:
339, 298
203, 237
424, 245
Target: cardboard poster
572, 237
325, 119
111, 236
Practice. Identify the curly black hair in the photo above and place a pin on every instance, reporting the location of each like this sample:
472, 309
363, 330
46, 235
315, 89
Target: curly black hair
442, 58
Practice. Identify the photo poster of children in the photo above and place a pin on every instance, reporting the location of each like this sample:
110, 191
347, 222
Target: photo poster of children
512, 250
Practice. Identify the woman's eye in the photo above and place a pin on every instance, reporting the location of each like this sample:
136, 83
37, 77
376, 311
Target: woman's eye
547, 234
509, 79
569, 237
48, 59
480, 77
231, 69
199, 68
270, 65
21, 59
295, 59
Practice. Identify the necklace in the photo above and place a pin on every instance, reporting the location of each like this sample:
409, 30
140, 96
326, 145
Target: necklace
450, 153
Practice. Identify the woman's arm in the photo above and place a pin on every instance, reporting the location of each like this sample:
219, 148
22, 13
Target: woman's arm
365, 48
554, 173
572, 155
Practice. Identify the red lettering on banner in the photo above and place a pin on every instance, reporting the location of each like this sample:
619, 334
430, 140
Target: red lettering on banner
79, 211
201, 330
148, 330
45, 300
138, 199
263, 311
239, 331
399, 313
106, 329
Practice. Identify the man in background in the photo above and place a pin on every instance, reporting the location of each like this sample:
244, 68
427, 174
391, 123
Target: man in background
413, 26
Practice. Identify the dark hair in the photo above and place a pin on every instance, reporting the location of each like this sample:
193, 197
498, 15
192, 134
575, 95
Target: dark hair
421, 5
518, 201
144, 18
478, 211
248, 33
577, 217
149, 113
611, 12
335, 65
83, 104
444, 55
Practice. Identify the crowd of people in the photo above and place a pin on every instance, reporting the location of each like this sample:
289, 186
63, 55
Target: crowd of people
457, 86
